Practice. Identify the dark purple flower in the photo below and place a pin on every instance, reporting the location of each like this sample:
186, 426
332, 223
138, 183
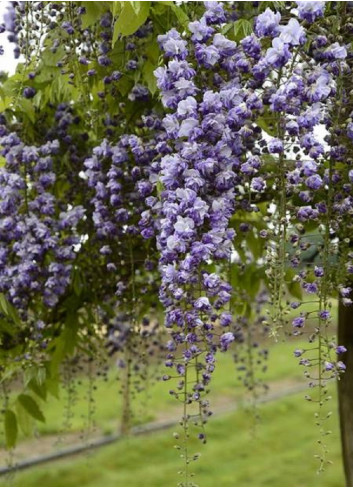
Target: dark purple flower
267, 23
310, 11
298, 322
275, 146
29, 92
341, 349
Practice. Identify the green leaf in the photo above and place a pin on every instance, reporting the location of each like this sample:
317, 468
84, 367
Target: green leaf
53, 386
9, 310
31, 407
148, 76
277, 6
181, 15
94, 11
242, 28
225, 29
4, 304
124, 85
39, 389
267, 125
5, 103
115, 8
24, 420
136, 6
293, 287
28, 109
50, 59
77, 282
11, 429
65, 344
153, 52
129, 20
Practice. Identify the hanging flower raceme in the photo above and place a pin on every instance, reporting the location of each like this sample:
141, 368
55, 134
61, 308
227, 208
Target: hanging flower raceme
37, 233
119, 175
210, 127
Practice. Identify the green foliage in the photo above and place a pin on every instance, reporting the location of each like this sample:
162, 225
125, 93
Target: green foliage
293, 287
93, 11
130, 16
242, 28
10, 425
31, 406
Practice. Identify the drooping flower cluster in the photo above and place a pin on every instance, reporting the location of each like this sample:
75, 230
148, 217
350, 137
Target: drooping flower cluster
37, 232
211, 129
119, 176
302, 100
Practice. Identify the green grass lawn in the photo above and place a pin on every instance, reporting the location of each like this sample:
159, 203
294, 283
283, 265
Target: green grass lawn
281, 452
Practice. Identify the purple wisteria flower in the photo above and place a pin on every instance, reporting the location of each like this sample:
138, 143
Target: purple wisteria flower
341, 366
173, 45
292, 33
201, 32
275, 145
350, 130
298, 353
329, 366
278, 55
298, 322
226, 339
325, 315
335, 51
310, 11
314, 182
267, 23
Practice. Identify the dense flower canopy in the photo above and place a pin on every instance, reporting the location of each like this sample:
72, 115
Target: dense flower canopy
204, 175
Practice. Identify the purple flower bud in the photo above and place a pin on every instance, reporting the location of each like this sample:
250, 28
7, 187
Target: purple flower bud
318, 271
298, 322
328, 366
341, 366
29, 92
325, 315
298, 353
225, 340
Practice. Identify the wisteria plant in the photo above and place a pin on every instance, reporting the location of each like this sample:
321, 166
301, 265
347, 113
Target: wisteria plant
181, 163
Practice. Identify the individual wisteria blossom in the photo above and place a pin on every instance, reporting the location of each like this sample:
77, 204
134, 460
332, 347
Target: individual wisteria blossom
310, 11
292, 33
267, 23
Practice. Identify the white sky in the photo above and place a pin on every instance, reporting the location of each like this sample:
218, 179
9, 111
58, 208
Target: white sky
7, 61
